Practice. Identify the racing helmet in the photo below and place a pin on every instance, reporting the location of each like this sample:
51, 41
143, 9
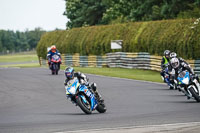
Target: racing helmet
173, 55
175, 62
69, 72
53, 48
167, 53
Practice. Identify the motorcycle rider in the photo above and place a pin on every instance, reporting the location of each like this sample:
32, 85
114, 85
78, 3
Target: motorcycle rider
70, 75
179, 65
165, 62
52, 52
172, 55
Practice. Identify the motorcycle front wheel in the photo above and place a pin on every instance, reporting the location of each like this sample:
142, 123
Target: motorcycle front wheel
194, 94
52, 72
56, 69
85, 106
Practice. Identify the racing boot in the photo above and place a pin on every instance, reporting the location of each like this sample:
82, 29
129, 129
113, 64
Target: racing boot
97, 95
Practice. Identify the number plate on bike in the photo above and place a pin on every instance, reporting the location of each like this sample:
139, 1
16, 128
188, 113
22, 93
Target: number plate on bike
88, 93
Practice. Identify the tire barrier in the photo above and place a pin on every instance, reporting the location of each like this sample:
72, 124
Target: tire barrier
140, 60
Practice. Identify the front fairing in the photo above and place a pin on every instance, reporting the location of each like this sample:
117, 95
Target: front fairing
184, 78
89, 94
55, 58
72, 86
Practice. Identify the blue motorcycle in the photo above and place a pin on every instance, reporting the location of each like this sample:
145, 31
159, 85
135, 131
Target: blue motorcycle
167, 80
189, 85
84, 96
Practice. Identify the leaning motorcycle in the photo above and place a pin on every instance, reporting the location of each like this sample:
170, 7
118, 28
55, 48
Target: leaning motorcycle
168, 79
55, 63
189, 85
84, 96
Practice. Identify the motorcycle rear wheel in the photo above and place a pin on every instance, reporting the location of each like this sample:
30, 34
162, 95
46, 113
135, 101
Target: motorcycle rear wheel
101, 108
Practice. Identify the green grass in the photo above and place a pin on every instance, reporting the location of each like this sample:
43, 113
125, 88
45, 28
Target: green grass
29, 65
18, 58
25, 59
31, 60
137, 74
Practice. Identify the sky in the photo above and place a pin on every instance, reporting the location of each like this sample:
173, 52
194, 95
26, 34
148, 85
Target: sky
22, 15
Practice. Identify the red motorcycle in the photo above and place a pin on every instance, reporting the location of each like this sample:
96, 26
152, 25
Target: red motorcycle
55, 64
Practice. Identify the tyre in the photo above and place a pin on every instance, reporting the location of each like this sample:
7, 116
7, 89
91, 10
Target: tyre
53, 69
86, 107
101, 108
52, 72
194, 94
56, 69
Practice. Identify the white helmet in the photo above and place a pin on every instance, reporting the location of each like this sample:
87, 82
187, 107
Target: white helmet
173, 55
174, 62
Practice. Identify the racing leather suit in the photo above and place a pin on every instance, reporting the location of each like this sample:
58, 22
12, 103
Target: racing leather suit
164, 63
49, 56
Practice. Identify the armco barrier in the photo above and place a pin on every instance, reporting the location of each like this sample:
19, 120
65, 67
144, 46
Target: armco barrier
141, 60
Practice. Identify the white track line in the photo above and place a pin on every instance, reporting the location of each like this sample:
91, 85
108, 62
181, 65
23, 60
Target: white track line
141, 129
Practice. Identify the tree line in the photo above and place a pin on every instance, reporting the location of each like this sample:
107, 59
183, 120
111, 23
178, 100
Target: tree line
11, 41
180, 35
98, 12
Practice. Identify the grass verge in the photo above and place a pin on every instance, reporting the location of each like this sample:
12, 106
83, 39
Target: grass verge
24, 59
29, 65
146, 75
30, 60
18, 58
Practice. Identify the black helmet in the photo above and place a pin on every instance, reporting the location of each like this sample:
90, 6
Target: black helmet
167, 53
69, 72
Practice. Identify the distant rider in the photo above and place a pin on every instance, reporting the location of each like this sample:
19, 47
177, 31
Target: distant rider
165, 62
51, 53
172, 55
71, 75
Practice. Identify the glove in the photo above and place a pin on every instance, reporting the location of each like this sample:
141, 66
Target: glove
87, 83
193, 76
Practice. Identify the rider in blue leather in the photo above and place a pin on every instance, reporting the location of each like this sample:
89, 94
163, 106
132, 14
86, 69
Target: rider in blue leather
70, 74
179, 65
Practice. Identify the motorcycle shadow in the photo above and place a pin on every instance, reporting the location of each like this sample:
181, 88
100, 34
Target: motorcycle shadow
182, 102
78, 114
162, 89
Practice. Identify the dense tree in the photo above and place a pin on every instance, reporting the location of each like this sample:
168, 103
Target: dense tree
95, 12
11, 41
33, 37
84, 12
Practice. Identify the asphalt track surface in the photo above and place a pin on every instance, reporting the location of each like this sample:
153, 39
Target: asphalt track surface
32, 100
